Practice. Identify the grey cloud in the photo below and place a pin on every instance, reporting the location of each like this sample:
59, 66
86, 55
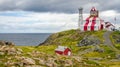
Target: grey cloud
65, 6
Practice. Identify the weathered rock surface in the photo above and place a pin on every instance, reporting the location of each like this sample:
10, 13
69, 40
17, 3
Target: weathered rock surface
27, 61
2, 43
9, 49
89, 40
6, 43
98, 49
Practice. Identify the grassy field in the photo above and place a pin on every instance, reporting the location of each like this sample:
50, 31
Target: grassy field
70, 39
90, 58
106, 56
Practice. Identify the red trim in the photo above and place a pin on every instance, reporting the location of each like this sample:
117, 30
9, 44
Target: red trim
66, 51
59, 52
108, 25
86, 24
93, 23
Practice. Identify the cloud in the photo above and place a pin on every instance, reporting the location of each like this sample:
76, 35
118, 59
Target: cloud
58, 6
51, 15
36, 22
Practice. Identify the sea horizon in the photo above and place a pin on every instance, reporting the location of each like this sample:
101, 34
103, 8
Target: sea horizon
24, 39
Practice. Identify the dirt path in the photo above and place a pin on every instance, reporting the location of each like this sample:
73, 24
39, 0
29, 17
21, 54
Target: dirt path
109, 42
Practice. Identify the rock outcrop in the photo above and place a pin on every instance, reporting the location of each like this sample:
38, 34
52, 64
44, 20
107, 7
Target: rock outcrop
89, 40
6, 43
8, 48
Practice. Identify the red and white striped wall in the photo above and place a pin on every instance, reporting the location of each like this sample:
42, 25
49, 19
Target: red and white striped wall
92, 24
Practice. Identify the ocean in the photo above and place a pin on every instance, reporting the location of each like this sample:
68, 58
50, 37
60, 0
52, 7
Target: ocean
25, 39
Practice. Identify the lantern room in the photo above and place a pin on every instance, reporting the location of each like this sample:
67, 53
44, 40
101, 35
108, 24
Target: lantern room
93, 12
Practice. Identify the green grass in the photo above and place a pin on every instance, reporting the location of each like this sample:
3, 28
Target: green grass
70, 39
115, 34
46, 49
50, 49
117, 46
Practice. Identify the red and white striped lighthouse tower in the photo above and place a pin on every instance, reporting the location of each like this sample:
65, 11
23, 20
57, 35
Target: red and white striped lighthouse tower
93, 22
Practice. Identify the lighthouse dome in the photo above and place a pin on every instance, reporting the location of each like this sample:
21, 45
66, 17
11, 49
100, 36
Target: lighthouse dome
93, 12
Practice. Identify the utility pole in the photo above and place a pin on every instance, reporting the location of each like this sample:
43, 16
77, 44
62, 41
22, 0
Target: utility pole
80, 21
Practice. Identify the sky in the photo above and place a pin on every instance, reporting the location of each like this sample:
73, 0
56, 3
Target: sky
50, 16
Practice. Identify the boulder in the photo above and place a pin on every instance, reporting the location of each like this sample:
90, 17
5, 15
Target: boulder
9, 63
10, 43
41, 61
8, 50
3, 48
11, 49
17, 57
2, 43
35, 53
98, 49
2, 53
68, 62
7, 43
27, 61
51, 64
20, 50
18, 53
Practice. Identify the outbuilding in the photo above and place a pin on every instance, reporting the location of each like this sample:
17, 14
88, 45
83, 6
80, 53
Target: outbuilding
62, 50
109, 26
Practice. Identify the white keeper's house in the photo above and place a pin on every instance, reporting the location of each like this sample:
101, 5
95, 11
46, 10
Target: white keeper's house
94, 22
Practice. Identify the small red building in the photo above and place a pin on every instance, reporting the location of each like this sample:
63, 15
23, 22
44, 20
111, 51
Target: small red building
62, 50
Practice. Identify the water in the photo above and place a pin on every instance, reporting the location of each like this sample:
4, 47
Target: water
27, 39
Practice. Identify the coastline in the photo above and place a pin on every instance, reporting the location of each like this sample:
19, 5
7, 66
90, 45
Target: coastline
44, 55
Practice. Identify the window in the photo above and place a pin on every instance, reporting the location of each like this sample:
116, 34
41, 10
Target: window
88, 26
94, 26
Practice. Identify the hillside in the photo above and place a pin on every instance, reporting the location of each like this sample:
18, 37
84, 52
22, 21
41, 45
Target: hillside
91, 55
71, 37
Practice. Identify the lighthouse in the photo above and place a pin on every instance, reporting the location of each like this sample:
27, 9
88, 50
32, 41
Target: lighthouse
92, 22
